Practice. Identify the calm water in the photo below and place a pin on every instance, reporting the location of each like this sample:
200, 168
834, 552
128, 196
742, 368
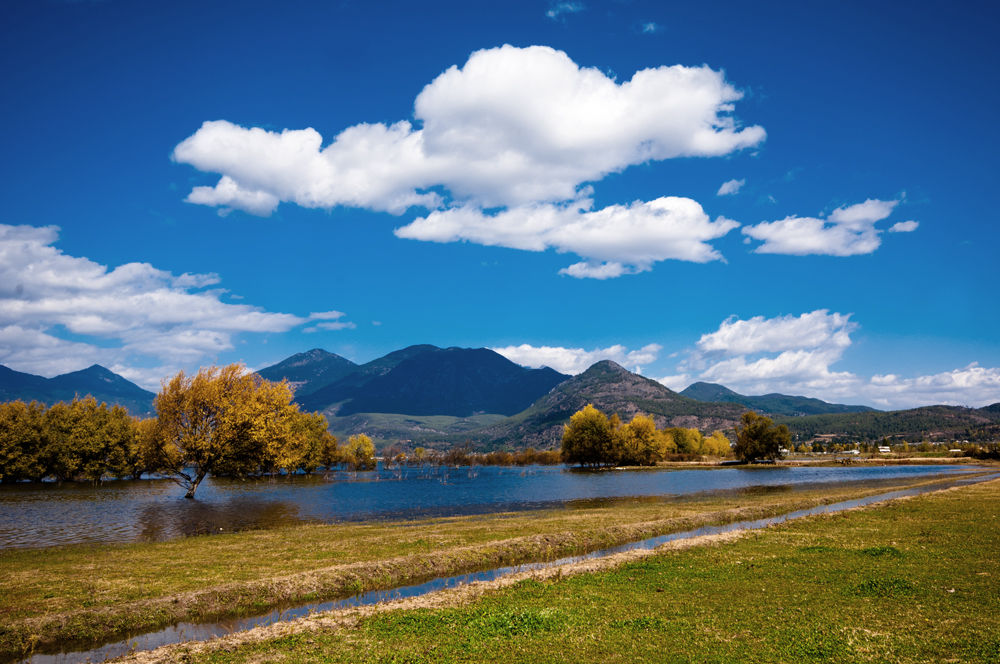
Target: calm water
187, 631
48, 514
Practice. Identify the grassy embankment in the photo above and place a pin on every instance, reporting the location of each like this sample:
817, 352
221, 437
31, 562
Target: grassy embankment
90, 593
915, 581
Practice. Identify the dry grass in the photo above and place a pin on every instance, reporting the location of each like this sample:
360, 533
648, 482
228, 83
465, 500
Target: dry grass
95, 593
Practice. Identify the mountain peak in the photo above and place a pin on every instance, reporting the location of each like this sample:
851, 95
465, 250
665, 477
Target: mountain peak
703, 391
93, 372
606, 367
309, 371
96, 380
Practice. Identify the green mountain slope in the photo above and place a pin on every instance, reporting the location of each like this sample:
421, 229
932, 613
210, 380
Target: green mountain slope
329, 397
771, 404
457, 382
612, 389
913, 424
309, 371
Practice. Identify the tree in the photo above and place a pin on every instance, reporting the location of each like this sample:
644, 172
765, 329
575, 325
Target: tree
757, 437
716, 445
688, 441
588, 439
20, 441
317, 446
638, 443
360, 452
224, 421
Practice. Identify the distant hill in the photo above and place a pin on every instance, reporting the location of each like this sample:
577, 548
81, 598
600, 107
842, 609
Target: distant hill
612, 389
771, 404
330, 396
912, 424
96, 381
458, 382
309, 371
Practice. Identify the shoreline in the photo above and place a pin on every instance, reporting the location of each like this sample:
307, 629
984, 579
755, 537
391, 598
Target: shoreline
343, 620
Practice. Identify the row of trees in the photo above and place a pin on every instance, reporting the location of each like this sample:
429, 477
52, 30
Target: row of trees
593, 439
225, 422
80, 440
463, 455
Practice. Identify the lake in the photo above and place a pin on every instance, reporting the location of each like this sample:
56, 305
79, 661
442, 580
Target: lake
34, 515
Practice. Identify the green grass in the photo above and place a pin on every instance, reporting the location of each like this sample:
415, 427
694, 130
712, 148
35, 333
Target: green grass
93, 593
913, 581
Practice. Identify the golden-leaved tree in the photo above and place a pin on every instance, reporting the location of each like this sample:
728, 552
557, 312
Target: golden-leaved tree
360, 452
230, 422
588, 439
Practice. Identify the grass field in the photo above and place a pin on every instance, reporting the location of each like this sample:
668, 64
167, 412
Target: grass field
915, 581
90, 593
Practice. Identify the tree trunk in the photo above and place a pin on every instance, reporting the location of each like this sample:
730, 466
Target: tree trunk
194, 484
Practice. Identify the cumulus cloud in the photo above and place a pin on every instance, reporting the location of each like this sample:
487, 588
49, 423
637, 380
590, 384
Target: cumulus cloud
730, 187
817, 329
786, 350
132, 312
972, 385
847, 231
796, 354
512, 126
904, 227
577, 360
614, 240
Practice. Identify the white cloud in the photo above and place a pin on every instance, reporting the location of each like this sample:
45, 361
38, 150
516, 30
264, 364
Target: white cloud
614, 240
227, 195
818, 329
847, 231
577, 360
134, 313
796, 354
730, 187
513, 126
904, 227
338, 325
676, 382
557, 9
650, 28
326, 315
972, 385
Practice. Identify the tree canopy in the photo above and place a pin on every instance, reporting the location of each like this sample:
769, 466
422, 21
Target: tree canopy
593, 439
228, 421
757, 437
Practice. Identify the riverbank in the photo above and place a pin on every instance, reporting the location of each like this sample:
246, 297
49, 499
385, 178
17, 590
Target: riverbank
914, 580
93, 593
832, 461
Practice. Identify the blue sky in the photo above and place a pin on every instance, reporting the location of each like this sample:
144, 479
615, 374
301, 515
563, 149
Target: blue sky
787, 197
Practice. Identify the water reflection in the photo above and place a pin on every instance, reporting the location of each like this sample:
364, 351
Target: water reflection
33, 515
183, 518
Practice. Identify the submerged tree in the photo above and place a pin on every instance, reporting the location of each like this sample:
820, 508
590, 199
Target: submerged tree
757, 437
224, 421
360, 452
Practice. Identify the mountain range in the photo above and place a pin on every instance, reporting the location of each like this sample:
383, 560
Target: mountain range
426, 395
772, 404
96, 381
